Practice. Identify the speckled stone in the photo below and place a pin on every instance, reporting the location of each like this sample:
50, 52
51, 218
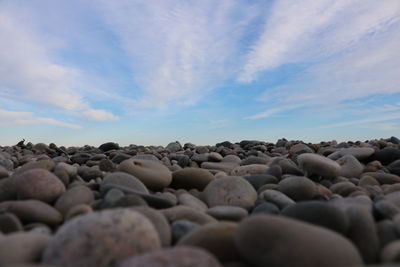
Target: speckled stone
173, 257
217, 238
38, 184
153, 175
230, 190
101, 239
189, 178
268, 240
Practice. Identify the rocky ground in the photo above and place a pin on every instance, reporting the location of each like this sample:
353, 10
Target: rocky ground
245, 204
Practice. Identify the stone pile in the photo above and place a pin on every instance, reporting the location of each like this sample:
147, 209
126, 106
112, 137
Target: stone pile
242, 204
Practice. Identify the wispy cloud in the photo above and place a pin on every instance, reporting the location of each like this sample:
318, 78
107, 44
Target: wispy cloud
388, 117
272, 111
180, 50
99, 115
28, 118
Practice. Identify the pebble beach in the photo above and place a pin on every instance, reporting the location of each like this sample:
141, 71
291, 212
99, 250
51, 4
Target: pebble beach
244, 204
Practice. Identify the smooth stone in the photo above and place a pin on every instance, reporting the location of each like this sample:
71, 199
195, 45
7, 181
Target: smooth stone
153, 175
254, 160
289, 167
200, 158
387, 155
106, 165
214, 156
265, 208
350, 166
7, 189
363, 233
33, 211
227, 213
300, 149
385, 209
185, 213
249, 169
159, 221
386, 232
76, 195
70, 169
78, 210
391, 252
319, 213
230, 190
101, 239
232, 159
297, 188
40, 164
127, 201
186, 199
373, 166
258, 180
189, 178
89, 173
120, 157
180, 228
174, 147
4, 173
22, 247
219, 166
384, 178
343, 188
275, 170
38, 184
217, 238
387, 189
124, 179
394, 198
367, 180
319, 165
202, 149
268, 240
277, 198
111, 197
359, 153
10, 223
109, 146
173, 257
146, 157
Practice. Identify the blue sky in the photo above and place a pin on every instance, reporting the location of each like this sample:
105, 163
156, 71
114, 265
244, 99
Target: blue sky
154, 71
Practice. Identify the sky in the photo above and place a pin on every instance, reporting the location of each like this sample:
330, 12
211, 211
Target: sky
149, 72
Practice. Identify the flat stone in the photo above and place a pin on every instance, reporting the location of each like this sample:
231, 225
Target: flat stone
300, 149
124, 179
185, 213
319, 213
76, 195
297, 188
22, 247
249, 169
189, 178
219, 166
217, 238
230, 190
153, 175
38, 184
101, 239
175, 257
33, 211
40, 164
320, 165
359, 153
277, 198
384, 178
228, 213
186, 199
282, 242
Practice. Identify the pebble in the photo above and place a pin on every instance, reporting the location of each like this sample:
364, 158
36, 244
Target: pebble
249, 169
219, 166
101, 239
391, 252
297, 188
319, 213
387, 232
227, 213
319, 165
76, 195
359, 153
77, 210
267, 240
124, 179
265, 208
9, 223
217, 238
384, 178
153, 175
40, 164
230, 190
38, 184
180, 228
185, 213
258, 180
109, 146
277, 198
33, 211
173, 257
189, 178
350, 166
22, 247
387, 155
186, 199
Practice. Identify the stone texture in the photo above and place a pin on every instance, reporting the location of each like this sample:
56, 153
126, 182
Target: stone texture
76, 195
320, 165
124, 179
185, 213
189, 178
297, 188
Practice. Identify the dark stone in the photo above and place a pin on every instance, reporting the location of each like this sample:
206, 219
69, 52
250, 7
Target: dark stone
225, 144
265, 208
258, 180
180, 228
386, 232
387, 155
106, 165
109, 146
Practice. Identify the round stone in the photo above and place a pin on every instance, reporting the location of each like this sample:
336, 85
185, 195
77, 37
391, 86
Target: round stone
9, 223
320, 165
40, 164
384, 178
22, 247
185, 213
177, 257
189, 178
124, 179
38, 184
77, 210
277, 198
228, 213
387, 155
267, 240
319, 213
258, 180
33, 211
217, 238
76, 195
180, 228
101, 239
154, 175
109, 146
297, 188
230, 190
359, 153
265, 208
350, 166
191, 201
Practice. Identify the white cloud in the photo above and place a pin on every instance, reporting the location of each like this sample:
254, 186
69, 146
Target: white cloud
27, 118
272, 111
390, 126
99, 115
179, 50
388, 117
